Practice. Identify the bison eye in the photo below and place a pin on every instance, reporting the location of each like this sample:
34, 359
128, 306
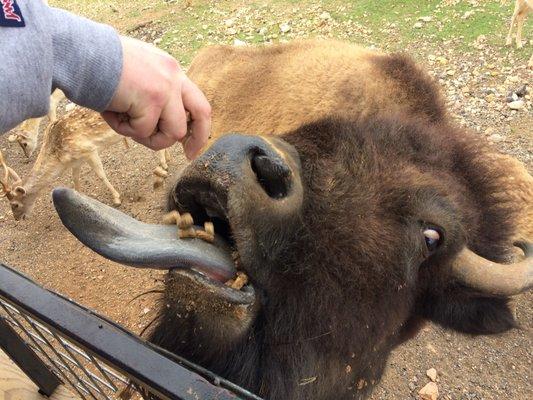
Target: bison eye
433, 238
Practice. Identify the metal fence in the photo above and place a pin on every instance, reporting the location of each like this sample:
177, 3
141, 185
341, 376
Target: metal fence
54, 340
88, 377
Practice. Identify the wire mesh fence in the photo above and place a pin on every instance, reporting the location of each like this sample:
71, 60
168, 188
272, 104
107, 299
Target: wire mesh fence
87, 376
93, 356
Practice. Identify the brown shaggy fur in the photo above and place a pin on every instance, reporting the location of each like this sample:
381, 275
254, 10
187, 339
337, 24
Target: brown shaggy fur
345, 274
276, 89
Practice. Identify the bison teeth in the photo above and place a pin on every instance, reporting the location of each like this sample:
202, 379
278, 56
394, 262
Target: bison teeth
240, 280
186, 221
172, 218
208, 234
186, 229
187, 233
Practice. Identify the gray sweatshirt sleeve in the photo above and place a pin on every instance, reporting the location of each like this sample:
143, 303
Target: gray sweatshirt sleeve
55, 49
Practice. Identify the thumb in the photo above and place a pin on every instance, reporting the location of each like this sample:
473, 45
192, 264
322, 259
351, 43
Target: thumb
141, 126
113, 119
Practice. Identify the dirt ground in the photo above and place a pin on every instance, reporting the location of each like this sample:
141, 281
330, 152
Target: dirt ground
496, 367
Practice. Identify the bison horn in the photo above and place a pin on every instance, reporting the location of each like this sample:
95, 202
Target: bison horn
494, 278
125, 240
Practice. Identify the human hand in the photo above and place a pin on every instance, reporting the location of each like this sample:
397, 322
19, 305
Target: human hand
152, 99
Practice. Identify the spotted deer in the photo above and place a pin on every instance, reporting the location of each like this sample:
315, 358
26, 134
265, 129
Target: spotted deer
67, 144
7, 175
27, 133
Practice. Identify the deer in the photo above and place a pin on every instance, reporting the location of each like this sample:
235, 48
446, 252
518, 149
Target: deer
27, 133
68, 143
8, 189
521, 9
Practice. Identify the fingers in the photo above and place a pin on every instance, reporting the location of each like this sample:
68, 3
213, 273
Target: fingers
164, 131
156, 129
197, 105
139, 123
173, 121
153, 111
199, 134
157, 141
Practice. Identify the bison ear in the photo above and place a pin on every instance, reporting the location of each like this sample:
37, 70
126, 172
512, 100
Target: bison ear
470, 312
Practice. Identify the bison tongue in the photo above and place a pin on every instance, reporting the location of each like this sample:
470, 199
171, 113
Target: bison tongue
125, 240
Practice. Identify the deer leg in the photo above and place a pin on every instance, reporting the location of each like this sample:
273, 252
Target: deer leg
520, 25
162, 155
76, 177
96, 164
509, 40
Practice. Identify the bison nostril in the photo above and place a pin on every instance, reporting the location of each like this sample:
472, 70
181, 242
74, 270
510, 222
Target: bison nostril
272, 174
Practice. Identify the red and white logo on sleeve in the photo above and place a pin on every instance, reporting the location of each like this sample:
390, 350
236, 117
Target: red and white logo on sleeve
10, 14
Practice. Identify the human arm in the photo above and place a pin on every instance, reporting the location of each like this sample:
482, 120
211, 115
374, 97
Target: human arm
98, 69
55, 49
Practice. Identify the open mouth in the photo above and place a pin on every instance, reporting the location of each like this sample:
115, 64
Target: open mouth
206, 206
120, 238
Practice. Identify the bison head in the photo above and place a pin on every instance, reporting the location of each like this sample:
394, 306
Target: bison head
349, 232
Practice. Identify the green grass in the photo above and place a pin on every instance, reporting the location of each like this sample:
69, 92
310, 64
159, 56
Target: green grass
490, 19
185, 30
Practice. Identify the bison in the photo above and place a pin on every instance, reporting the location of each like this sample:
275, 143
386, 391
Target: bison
352, 202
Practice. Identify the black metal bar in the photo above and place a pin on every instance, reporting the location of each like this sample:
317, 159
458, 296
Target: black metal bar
27, 360
139, 360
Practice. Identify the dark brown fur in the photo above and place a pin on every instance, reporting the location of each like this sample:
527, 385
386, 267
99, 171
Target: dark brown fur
276, 89
353, 272
420, 92
347, 276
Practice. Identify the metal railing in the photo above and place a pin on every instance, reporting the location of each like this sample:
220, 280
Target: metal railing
55, 340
